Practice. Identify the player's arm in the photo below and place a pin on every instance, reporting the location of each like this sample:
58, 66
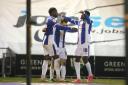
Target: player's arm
90, 27
66, 28
72, 20
72, 30
61, 27
89, 21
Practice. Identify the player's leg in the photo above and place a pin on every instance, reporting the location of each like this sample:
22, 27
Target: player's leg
57, 66
46, 57
77, 64
45, 63
63, 58
52, 54
88, 65
56, 61
77, 69
52, 70
63, 69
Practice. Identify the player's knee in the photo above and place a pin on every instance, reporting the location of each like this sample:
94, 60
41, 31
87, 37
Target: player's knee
56, 63
63, 62
55, 57
85, 59
52, 64
47, 57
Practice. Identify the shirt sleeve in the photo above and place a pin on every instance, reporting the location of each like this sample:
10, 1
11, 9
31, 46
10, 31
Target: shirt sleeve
50, 22
65, 28
60, 27
72, 20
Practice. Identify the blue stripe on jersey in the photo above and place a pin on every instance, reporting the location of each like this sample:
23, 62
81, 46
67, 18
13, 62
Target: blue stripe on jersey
83, 33
57, 37
90, 27
46, 41
49, 28
64, 39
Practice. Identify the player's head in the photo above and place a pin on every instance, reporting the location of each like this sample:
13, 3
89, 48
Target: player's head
87, 13
53, 12
84, 14
63, 22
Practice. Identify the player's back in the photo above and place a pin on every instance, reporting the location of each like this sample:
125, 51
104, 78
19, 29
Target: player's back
84, 32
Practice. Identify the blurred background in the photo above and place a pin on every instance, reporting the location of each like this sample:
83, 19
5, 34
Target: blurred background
107, 36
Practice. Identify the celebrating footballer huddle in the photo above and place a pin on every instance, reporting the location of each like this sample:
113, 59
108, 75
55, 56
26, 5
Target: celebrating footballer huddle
54, 45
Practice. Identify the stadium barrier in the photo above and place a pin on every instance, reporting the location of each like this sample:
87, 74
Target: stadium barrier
110, 66
37, 61
102, 66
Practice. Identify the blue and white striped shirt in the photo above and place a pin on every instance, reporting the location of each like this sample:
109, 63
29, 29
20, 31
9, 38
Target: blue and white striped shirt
50, 22
59, 34
84, 29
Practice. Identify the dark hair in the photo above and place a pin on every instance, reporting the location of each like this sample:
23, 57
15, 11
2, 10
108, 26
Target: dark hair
87, 12
51, 10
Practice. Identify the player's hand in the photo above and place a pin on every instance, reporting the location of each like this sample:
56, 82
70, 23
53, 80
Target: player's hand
74, 29
44, 30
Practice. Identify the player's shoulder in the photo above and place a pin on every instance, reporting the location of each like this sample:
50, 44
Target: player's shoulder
51, 19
